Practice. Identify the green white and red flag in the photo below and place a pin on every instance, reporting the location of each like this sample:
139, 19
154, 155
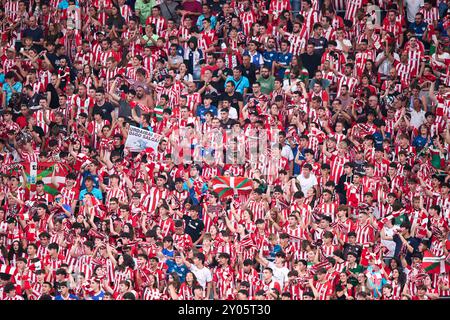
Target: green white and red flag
43, 171
433, 264
230, 186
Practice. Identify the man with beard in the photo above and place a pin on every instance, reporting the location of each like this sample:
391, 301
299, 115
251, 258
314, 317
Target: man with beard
221, 73
266, 80
103, 107
270, 54
235, 98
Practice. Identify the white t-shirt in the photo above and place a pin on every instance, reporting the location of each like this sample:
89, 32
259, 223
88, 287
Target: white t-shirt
287, 152
203, 275
346, 42
389, 244
307, 184
386, 65
280, 275
412, 7
417, 118
232, 113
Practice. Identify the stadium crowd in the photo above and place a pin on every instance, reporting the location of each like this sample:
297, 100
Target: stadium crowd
302, 150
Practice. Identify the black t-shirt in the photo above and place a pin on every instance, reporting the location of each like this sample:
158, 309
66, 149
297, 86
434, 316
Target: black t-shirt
124, 109
119, 150
54, 99
214, 94
118, 22
193, 227
61, 127
250, 73
221, 83
356, 249
33, 102
228, 124
320, 44
105, 110
311, 62
54, 59
39, 131
233, 99
36, 34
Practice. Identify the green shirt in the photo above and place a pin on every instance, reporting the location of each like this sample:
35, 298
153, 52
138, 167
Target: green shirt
145, 9
400, 219
266, 84
359, 269
158, 111
148, 41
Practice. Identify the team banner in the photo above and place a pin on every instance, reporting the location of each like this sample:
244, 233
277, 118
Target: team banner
43, 171
140, 139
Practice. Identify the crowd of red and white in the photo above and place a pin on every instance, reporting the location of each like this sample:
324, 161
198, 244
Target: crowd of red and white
334, 112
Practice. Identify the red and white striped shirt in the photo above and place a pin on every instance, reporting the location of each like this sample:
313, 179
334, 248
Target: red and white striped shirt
311, 17
298, 43
115, 193
159, 22
349, 81
351, 8
364, 234
101, 56
339, 5
126, 12
248, 18
415, 57
430, 16
82, 104
151, 294
361, 59
277, 6
11, 9
258, 209
150, 202
405, 71
39, 116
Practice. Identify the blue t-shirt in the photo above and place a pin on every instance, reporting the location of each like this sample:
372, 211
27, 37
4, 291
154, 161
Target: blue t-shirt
240, 84
276, 248
269, 57
379, 138
88, 174
181, 271
71, 297
64, 4
9, 92
96, 192
167, 252
418, 29
297, 167
257, 59
192, 191
202, 110
284, 59
420, 142
379, 282
99, 296
200, 19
